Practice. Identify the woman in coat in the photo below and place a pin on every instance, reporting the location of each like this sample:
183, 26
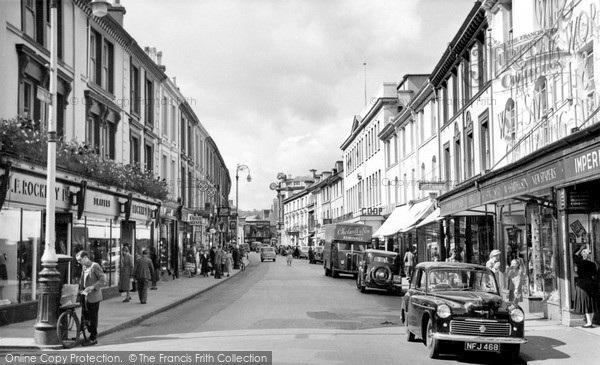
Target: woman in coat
205, 263
125, 272
586, 291
228, 262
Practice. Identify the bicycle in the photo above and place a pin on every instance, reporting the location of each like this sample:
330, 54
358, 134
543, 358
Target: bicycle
68, 327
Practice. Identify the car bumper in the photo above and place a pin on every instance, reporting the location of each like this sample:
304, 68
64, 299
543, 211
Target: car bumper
464, 338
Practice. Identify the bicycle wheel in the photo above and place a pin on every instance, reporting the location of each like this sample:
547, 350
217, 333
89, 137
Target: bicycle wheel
67, 329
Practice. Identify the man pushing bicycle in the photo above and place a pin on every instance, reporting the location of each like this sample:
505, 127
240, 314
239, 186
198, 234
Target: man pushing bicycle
92, 279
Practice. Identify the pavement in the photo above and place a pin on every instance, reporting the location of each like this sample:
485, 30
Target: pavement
549, 342
114, 315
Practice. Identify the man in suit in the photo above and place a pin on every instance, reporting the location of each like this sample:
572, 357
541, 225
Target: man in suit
143, 271
92, 279
218, 265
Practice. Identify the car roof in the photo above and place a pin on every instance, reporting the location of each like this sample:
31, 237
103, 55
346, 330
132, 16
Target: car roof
381, 252
451, 265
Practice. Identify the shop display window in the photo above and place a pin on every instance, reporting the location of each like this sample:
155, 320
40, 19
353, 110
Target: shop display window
20, 241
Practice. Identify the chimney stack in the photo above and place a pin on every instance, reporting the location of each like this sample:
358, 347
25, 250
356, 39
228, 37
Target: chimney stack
117, 12
159, 61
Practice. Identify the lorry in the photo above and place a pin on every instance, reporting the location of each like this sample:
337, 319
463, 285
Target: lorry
345, 244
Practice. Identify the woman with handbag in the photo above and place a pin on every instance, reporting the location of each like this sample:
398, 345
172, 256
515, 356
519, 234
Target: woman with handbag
125, 271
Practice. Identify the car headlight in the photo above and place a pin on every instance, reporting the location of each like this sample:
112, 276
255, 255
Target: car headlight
517, 315
443, 311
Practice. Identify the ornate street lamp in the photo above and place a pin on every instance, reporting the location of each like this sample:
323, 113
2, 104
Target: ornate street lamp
281, 177
49, 278
237, 177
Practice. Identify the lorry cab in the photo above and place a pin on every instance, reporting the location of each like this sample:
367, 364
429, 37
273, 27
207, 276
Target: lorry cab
345, 244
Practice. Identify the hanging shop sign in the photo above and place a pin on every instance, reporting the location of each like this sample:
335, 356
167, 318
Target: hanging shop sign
195, 220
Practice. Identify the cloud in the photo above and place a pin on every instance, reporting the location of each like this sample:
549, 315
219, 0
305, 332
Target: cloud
276, 83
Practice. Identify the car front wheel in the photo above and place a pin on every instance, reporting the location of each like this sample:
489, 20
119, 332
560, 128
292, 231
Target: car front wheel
433, 344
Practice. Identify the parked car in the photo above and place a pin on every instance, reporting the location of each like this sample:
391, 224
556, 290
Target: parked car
318, 253
267, 253
453, 305
303, 252
380, 270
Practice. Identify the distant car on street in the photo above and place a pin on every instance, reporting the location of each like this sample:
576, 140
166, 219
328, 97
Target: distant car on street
318, 253
303, 252
267, 253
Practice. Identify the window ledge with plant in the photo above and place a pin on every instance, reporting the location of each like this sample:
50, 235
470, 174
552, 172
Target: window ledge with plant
19, 138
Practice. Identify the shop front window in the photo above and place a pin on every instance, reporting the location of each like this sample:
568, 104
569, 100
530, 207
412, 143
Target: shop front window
19, 255
142, 239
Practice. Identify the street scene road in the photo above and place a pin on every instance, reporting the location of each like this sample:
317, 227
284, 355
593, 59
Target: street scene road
298, 313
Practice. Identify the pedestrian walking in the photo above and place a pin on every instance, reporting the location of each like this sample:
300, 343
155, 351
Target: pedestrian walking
143, 271
515, 282
228, 262
190, 261
587, 300
289, 257
409, 262
153, 255
92, 279
219, 261
205, 264
125, 273
212, 253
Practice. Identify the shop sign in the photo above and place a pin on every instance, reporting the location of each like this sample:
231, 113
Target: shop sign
28, 189
461, 203
195, 220
141, 211
224, 211
100, 203
583, 164
371, 211
530, 182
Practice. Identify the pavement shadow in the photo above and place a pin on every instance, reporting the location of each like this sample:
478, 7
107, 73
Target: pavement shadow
544, 348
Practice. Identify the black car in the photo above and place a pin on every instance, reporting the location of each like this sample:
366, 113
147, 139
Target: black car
458, 306
380, 270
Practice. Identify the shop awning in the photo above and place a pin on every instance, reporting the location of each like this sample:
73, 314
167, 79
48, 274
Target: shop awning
394, 223
416, 213
431, 218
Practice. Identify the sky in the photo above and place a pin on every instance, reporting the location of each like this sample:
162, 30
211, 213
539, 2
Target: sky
276, 83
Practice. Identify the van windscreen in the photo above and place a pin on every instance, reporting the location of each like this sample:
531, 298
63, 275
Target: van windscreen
346, 246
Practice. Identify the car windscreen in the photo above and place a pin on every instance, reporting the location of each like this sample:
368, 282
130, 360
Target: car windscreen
383, 259
347, 246
458, 279
267, 249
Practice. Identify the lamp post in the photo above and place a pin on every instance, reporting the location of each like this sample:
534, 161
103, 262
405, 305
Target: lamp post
49, 278
281, 177
237, 177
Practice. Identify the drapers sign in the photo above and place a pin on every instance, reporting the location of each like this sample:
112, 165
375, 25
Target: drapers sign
100, 203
